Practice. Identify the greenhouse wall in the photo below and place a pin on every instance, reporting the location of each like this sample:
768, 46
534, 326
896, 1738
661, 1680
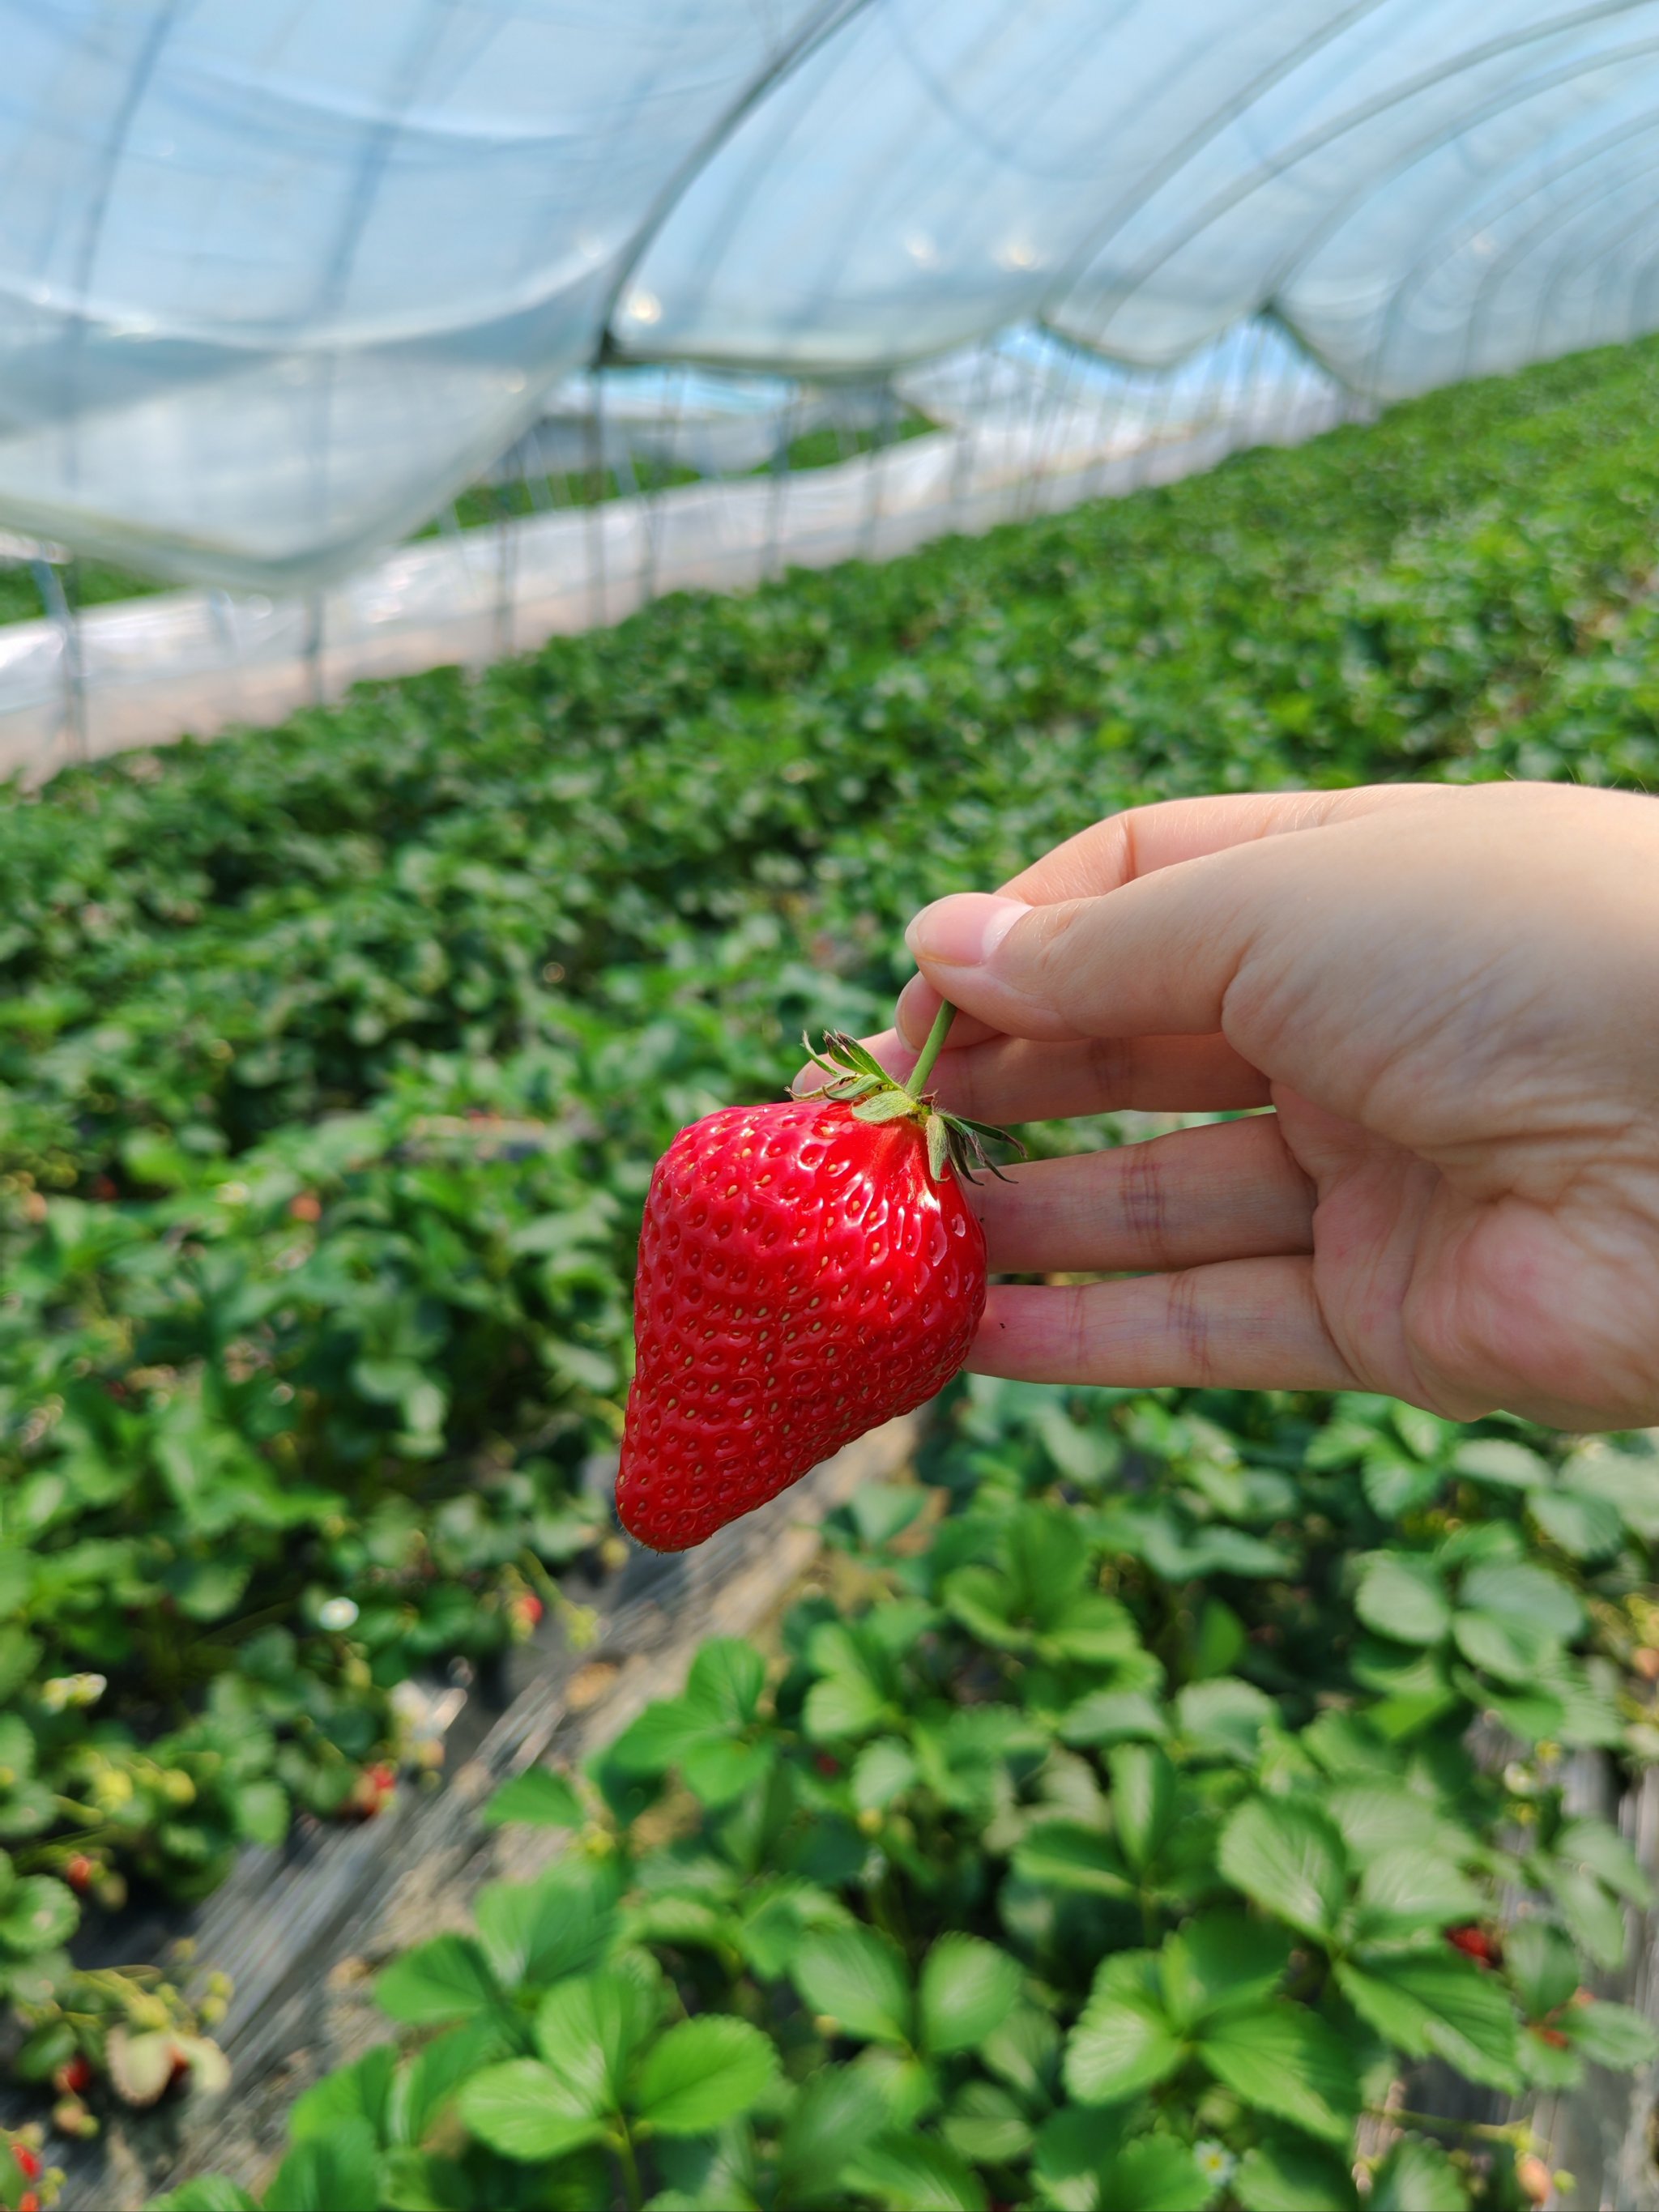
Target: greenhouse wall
145, 672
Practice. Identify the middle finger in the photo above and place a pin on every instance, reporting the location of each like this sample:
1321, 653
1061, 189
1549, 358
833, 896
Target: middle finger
1230, 1191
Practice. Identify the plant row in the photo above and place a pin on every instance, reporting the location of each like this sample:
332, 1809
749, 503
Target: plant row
1108, 1841
333, 1059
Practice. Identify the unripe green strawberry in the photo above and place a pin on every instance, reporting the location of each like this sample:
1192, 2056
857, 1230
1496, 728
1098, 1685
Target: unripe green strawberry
806, 1272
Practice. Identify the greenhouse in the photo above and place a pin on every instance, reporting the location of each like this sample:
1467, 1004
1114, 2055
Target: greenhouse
1055, 1610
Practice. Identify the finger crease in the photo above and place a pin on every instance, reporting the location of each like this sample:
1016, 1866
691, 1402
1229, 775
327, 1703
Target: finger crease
1144, 1197
1108, 1063
1188, 1324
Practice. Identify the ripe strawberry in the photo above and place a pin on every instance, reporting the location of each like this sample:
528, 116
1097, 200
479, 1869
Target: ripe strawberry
1474, 1943
372, 1790
806, 1271
28, 2161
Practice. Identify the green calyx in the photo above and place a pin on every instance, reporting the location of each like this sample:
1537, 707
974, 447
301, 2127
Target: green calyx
858, 1079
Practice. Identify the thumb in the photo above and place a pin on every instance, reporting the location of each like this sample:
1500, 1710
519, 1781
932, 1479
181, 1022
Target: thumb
1151, 958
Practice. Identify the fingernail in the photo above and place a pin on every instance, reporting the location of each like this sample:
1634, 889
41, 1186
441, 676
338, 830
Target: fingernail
965, 930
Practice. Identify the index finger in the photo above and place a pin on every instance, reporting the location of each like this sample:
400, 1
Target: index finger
1141, 840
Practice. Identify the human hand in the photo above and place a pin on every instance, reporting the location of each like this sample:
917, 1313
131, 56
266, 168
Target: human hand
1450, 999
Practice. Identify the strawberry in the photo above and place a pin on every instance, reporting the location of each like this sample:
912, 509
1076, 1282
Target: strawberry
806, 1271
1475, 1943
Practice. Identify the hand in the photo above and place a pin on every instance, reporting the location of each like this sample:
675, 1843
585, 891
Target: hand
1448, 998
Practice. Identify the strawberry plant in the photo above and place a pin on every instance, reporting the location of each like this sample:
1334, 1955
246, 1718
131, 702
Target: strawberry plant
1003, 1882
334, 1059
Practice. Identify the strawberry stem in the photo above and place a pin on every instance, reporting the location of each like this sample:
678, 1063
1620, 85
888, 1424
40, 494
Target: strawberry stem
931, 1051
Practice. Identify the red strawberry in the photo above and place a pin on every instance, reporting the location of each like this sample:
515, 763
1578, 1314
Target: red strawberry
806, 1271
28, 2161
1474, 1943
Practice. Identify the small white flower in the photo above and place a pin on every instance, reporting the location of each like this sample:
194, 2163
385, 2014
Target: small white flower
1215, 2162
336, 1613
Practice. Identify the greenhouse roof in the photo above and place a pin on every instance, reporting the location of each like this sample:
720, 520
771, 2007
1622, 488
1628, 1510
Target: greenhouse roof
281, 274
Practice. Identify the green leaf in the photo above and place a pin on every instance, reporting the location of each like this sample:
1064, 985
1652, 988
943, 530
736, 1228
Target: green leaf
1585, 1528
1046, 1565
588, 2029
1629, 1483
1542, 1965
725, 1681
336, 2172
660, 1737
980, 1599
1287, 2062
883, 1770
1403, 1597
19, 1655
1417, 2176
1504, 1465
1395, 1485
1512, 1649
1122, 2043
909, 2086
701, 2074
39, 1914
538, 1930
1220, 1962
717, 1773
1068, 1854
1092, 1628
208, 2192
851, 1697
858, 1978
1289, 1858
1224, 1719
422, 2088
1591, 1843
1523, 1595
1288, 2176
985, 2125
1143, 1800
539, 1798
1074, 2147
1532, 1715
1023, 2052
1442, 2005
881, 1510
427, 2181
359, 2092
913, 2173
1596, 1921
838, 2113
1377, 1818
1155, 2173
262, 1813
521, 2108
1113, 1716
968, 1987
448, 1978
1613, 2035
1408, 1890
